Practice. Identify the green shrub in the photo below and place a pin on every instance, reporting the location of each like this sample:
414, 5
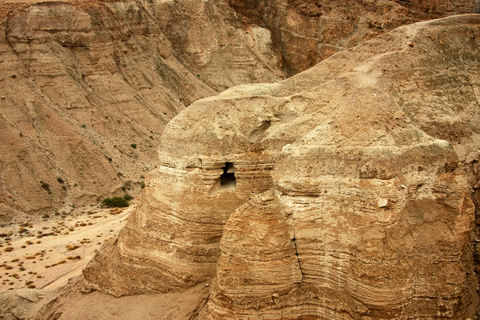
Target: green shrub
127, 197
115, 202
133, 145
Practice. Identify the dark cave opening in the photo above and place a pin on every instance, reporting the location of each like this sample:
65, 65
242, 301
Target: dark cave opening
228, 176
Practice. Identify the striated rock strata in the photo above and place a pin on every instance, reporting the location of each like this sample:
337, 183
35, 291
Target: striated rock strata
305, 32
344, 192
87, 88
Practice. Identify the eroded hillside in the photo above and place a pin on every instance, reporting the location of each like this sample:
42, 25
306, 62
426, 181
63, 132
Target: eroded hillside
306, 32
87, 87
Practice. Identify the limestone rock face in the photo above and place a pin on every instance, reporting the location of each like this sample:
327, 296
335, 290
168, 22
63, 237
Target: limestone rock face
344, 192
215, 43
87, 87
307, 32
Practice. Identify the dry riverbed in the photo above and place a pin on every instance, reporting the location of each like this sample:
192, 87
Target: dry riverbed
46, 252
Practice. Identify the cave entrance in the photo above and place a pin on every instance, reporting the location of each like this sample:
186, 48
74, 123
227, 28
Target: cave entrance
228, 176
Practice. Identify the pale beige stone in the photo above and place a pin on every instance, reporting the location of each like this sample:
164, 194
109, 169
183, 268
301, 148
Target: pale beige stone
350, 199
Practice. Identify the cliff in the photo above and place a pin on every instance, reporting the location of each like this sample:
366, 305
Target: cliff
87, 87
307, 32
347, 191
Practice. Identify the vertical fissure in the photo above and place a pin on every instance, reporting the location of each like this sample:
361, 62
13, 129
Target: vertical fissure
296, 253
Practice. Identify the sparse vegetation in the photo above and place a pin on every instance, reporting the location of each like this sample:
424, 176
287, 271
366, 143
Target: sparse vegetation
133, 145
115, 202
127, 197
45, 186
60, 180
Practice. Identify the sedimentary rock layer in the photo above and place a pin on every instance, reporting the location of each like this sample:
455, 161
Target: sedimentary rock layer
343, 192
305, 32
87, 87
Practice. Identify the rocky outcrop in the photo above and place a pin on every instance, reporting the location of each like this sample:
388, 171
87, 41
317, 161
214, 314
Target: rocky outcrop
343, 192
307, 32
87, 88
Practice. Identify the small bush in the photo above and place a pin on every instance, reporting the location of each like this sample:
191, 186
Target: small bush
115, 202
127, 197
45, 186
60, 180
133, 145
83, 126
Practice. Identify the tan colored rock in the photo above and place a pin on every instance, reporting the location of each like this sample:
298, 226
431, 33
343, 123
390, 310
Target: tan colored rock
352, 173
305, 32
87, 87
258, 260
217, 46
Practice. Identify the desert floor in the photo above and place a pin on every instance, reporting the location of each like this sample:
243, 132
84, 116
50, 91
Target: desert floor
44, 253
41, 275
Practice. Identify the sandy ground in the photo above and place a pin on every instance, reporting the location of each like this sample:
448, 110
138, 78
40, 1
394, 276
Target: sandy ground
41, 276
45, 253
35, 1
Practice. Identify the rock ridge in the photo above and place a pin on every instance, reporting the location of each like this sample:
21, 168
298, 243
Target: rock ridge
346, 191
